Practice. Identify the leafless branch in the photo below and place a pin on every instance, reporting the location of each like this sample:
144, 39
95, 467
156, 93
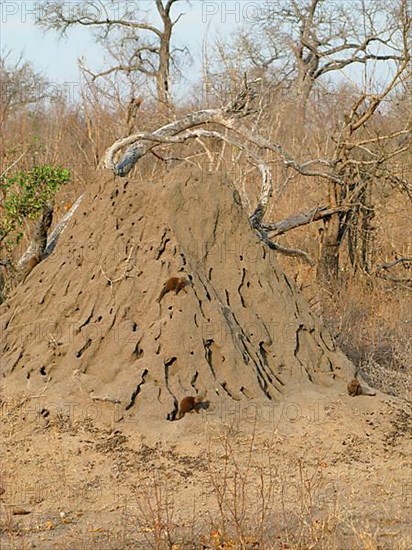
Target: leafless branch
406, 262
181, 130
304, 218
135, 45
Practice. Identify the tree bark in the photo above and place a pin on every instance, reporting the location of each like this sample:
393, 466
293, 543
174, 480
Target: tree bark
163, 73
328, 265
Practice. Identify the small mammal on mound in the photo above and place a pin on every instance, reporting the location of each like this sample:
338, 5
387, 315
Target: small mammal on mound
28, 268
174, 283
189, 404
355, 388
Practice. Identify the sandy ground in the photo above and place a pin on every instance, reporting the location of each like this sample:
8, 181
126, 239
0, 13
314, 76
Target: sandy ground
322, 470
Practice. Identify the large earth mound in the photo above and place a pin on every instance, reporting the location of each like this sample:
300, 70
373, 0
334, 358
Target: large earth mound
87, 323
93, 368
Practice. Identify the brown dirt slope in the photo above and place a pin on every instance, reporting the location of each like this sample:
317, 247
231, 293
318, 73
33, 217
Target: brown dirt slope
93, 367
87, 323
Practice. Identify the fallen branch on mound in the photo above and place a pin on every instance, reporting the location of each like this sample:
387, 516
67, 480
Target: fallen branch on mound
60, 227
226, 119
40, 247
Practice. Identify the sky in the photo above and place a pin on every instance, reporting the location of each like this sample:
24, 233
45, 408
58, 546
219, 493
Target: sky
57, 57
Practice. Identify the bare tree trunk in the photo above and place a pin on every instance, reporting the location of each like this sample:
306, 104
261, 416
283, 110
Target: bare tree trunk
361, 231
328, 266
353, 221
163, 74
368, 232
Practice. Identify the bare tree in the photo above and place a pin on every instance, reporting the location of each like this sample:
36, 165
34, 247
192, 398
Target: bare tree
310, 39
363, 156
20, 85
134, 45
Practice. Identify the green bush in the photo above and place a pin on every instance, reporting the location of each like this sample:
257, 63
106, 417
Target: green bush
24, 196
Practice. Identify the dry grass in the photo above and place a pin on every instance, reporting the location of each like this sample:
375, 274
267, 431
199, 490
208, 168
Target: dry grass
254, 493
253, 500
371, 324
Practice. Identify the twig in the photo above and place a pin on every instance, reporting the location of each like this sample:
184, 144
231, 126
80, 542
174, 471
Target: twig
392, 264
29, 397
123, 275
13, 164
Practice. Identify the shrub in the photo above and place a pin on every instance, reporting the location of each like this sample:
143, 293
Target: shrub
24, 195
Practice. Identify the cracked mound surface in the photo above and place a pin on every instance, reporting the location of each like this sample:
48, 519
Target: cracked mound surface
86, 324
92, 367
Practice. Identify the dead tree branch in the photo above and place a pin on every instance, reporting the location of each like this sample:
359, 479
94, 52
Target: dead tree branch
228, 118
35, 252
406, 262
303, 218
382, 271
42, 245
60, 227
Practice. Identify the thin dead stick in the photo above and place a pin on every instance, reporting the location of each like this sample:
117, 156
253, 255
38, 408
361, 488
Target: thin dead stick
123, 275
13, 164
29, 397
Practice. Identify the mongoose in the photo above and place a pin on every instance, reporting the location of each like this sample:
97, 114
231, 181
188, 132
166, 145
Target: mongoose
189, 404
28, 267
174, 283
355, 388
